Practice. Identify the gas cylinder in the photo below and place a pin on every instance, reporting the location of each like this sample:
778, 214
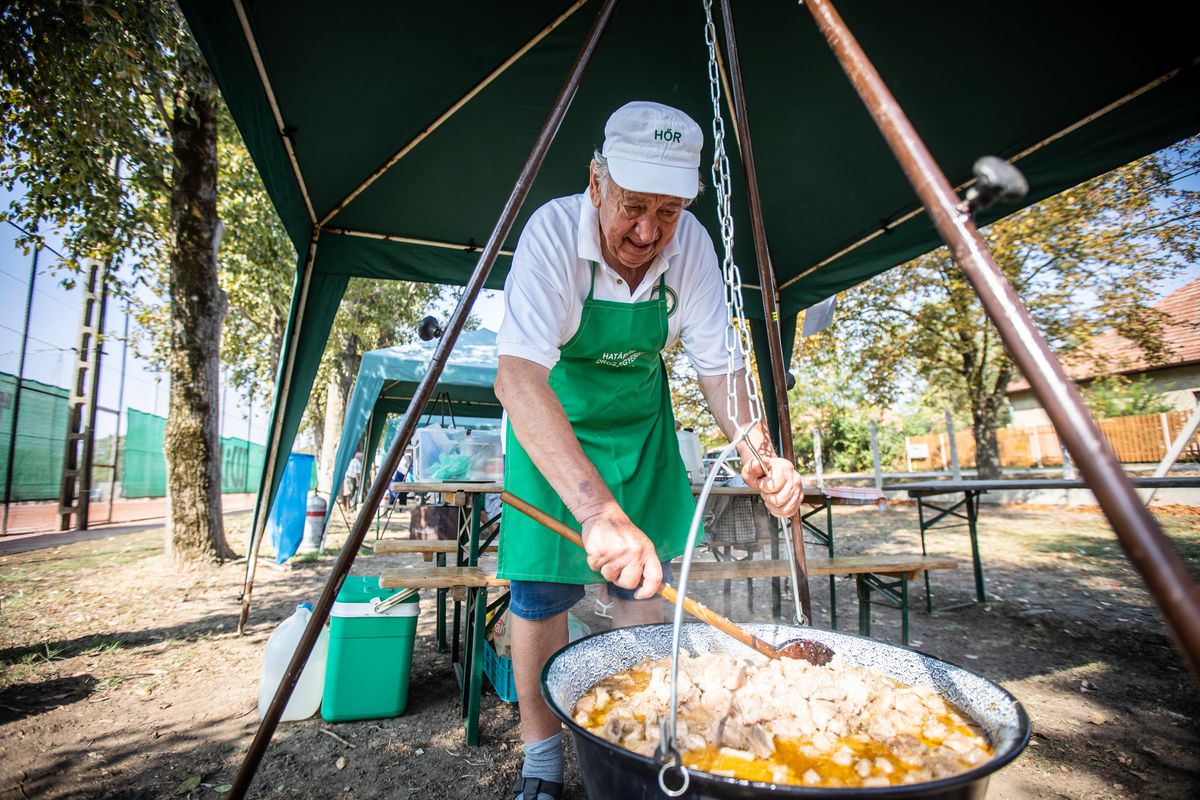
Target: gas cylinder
314, 522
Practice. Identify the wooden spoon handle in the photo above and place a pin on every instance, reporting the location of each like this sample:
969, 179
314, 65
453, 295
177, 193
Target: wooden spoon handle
707, 615
700, 612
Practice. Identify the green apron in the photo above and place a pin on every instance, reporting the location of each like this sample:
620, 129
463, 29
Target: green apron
613, 386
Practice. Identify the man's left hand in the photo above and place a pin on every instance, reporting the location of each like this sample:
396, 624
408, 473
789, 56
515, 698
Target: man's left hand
781, 488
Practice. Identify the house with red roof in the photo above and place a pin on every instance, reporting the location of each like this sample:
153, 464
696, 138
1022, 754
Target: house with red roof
1176, 378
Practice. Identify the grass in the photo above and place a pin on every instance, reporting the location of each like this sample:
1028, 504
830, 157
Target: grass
102, 647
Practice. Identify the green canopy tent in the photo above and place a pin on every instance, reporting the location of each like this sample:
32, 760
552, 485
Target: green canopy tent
387, 379
389, 135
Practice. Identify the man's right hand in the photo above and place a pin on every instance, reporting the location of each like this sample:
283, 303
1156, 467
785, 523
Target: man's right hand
620, 552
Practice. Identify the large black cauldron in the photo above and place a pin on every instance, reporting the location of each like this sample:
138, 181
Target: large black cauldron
613, 773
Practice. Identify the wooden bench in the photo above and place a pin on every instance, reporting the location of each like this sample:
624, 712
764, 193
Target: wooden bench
886, 575
428, 548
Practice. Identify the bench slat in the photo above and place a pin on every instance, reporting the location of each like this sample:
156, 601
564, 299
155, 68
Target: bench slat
423, 546
441, 578
477, 577
844, 565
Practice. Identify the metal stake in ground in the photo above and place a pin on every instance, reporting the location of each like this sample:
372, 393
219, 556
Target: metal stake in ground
266, 728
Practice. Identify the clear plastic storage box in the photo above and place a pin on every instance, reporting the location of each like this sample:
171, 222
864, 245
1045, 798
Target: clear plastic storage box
457, 454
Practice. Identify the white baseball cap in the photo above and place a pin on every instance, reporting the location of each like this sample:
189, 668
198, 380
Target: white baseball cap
653, 148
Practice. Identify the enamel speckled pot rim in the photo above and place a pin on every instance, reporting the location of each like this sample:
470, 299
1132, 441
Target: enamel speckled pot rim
574, 669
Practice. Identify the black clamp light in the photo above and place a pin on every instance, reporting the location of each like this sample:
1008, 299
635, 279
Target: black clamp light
995, 180
429, 328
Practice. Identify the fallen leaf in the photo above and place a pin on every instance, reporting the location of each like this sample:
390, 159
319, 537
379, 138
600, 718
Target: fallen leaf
341, 762
223, 788
188, 785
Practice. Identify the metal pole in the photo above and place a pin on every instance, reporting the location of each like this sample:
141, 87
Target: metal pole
817, 461
249, 428
112, 483
16, 409
875, 455
362, 523
769, 292
955, 467
84, 500
1148, 548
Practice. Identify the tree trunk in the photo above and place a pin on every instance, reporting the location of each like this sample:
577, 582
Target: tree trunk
984, 418
335, 415
195, 533
341, 381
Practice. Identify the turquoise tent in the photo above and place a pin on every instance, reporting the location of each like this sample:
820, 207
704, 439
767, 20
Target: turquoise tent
386, 381
389, 134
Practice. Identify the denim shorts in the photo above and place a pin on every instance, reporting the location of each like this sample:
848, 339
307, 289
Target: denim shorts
535, 600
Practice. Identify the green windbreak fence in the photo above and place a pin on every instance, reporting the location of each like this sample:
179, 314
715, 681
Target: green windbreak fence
41, 437
144, 467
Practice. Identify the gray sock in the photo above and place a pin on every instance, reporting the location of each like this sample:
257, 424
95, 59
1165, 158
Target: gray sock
544, 760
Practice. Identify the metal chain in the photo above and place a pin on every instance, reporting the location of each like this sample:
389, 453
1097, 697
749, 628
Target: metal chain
737, 350
737, 328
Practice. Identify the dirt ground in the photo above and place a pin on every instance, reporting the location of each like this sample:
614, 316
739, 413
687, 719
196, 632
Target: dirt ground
122, 678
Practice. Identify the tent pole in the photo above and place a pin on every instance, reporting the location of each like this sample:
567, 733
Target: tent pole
263, 507
362, 522
391, 237
769, 298
283, 130
1151, 553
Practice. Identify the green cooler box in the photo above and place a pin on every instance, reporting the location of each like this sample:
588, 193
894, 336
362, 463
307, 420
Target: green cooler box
370, 654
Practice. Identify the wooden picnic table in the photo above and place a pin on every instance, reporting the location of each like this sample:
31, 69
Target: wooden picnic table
966, 509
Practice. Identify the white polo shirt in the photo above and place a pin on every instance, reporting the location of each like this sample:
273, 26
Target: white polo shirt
552, 272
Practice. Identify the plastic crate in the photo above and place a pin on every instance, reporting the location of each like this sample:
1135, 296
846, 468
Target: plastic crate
500, 672
456, 454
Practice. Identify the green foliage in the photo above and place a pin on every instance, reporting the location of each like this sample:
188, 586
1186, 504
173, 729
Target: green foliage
257, 263
84, 120
1082, 261
373, 314
691, 410
830, 398
1121, 396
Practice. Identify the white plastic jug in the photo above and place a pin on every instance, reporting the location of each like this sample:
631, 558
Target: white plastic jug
306, 698
692, 453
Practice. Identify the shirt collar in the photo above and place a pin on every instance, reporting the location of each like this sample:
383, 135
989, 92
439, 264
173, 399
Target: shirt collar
588, 238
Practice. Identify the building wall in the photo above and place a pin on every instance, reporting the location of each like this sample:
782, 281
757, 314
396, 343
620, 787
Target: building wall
1179, 385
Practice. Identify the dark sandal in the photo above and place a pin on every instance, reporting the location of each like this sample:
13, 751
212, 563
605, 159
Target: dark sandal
530, 788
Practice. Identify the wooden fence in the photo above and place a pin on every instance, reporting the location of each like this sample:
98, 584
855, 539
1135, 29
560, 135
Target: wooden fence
1138, 439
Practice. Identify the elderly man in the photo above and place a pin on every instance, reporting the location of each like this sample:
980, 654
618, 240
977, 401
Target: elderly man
601, 284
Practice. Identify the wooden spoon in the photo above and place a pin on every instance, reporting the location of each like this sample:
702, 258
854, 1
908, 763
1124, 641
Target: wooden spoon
808, 650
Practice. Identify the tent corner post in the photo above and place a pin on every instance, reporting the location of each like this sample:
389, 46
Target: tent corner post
266, 483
